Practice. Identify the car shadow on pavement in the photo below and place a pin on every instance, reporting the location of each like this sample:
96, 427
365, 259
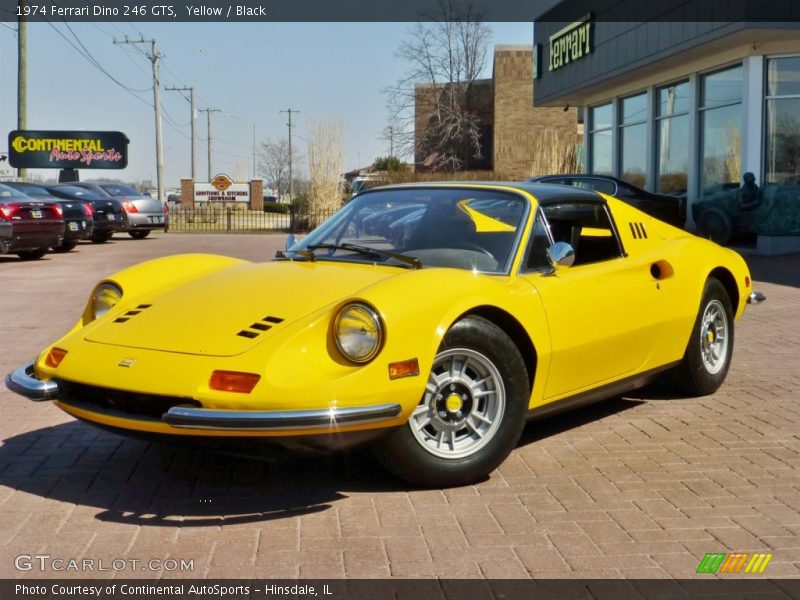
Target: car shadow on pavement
143, 483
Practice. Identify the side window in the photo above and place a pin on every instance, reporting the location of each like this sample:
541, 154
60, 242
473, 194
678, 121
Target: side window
536, 259
598, 185
587, 228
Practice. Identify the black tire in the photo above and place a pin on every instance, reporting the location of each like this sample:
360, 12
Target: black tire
100, 238
716, 226
32, 254
409, 450
139, 234
695, 375
65, 246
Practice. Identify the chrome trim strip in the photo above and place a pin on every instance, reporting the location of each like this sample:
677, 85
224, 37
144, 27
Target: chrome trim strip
278, 420
23, 381
756, 298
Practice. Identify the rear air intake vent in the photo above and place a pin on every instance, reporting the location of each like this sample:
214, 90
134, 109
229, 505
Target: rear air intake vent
638, 231
247, 334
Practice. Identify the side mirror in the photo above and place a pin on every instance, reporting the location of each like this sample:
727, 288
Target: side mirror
290, 241
561, 254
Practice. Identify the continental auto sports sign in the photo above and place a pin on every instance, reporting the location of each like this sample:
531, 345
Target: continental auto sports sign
68, 149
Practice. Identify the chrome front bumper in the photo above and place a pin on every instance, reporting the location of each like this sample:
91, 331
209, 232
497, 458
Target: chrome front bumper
23, 381
756, 298
278, 420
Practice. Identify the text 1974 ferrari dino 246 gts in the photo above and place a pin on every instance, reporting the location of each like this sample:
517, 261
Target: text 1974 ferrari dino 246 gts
435, 340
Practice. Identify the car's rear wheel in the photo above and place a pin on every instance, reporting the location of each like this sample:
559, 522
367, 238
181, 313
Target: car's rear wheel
100, 238
139, 234
708, 353
32, 254
65, 246
716, 226
471, 414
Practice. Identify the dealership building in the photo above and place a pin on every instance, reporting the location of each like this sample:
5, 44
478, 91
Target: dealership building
681, 106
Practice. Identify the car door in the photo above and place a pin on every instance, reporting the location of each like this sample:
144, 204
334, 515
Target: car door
601, 312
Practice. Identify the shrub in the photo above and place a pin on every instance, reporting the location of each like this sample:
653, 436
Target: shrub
275, 207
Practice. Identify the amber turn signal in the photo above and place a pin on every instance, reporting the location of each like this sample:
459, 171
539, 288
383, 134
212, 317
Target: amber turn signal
233, 381
54, 357
405, 368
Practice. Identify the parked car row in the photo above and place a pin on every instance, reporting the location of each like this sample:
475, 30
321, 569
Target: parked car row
35, 217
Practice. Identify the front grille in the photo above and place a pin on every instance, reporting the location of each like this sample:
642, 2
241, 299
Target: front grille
118, 402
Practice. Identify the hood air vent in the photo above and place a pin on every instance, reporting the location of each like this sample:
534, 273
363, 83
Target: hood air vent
264, 324
132, 313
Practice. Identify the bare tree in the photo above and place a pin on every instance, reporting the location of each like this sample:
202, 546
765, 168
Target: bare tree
274, 164
324, 168
446, 54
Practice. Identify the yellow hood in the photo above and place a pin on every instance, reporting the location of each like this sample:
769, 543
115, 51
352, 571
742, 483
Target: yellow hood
232, 310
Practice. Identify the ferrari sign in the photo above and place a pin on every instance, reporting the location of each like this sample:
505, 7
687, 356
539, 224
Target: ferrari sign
68, 149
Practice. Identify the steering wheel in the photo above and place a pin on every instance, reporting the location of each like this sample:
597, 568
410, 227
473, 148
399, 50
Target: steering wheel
473, 247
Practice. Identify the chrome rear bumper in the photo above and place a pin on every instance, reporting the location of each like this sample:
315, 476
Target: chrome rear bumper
756, 298
23, 381
278, 420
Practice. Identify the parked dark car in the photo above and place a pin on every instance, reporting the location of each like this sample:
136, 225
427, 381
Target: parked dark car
144, 213
28, 227
109, 217
78, 215
670, 209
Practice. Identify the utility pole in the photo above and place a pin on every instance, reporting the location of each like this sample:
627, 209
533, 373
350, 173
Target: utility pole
194, 118
254, 151
22, 77
154, 57
208, 112
291, 179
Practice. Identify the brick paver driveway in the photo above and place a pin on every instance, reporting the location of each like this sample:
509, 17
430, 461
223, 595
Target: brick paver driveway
641, 486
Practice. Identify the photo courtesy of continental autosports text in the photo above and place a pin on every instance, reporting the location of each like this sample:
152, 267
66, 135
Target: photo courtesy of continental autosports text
422, 300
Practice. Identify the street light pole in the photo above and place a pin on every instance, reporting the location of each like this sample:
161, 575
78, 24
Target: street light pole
208, 112
291, 179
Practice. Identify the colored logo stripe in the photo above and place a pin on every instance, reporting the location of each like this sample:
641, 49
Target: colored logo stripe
711, 562
734, 563
758, 563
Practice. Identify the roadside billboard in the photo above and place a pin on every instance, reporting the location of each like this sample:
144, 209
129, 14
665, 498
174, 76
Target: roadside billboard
67, 149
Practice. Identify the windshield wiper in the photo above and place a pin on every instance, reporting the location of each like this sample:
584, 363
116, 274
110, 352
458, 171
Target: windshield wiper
307, 254
408, 260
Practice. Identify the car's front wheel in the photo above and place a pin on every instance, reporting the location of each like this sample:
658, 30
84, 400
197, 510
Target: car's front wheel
708, 353
139, 234
65, 246
471, 414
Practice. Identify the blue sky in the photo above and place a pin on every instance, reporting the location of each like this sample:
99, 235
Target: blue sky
249, 71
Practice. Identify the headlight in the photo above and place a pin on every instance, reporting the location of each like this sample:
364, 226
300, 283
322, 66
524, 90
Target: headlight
105, 298
358, 332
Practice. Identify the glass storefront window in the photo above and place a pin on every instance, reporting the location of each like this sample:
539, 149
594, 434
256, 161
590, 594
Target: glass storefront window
783, 76
673, 154
673, 99
634, 109
722, 87
778, 211
672, 143
721, 132
600, 139
633, 139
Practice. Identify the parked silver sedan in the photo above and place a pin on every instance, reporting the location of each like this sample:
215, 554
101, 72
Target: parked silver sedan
144, 213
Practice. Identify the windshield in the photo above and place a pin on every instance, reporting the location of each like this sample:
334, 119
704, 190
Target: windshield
116, 189
440, 227
77, 192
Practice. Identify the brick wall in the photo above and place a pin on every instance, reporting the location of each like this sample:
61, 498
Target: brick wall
517, 123
187, 193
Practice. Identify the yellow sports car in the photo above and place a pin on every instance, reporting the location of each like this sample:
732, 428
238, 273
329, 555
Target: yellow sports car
431, 320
